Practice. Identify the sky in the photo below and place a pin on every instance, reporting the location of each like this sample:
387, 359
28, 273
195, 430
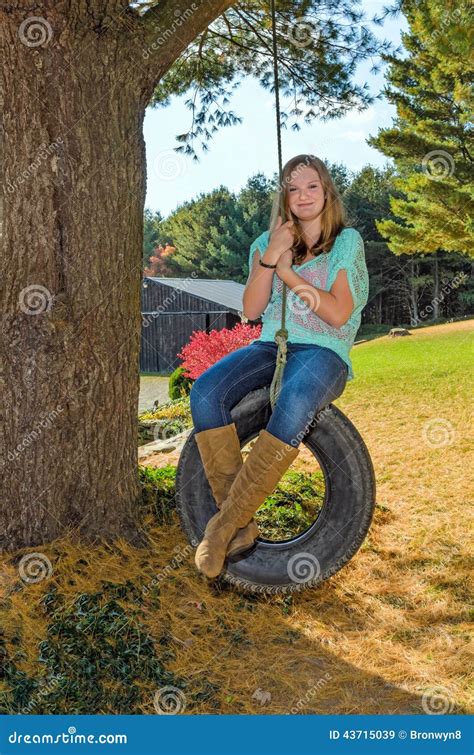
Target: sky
237, 152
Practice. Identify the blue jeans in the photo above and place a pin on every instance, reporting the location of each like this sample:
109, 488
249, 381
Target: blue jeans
313, 377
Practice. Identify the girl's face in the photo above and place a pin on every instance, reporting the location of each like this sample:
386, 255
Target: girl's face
305, 193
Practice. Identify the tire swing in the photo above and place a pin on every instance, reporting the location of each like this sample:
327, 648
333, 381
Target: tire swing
342, 523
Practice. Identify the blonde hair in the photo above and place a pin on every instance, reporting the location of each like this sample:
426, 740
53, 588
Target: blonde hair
333, 215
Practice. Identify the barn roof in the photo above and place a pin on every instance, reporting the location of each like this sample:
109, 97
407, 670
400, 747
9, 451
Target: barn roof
227, 293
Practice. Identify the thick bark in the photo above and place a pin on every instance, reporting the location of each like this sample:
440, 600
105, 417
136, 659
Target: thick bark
74, 180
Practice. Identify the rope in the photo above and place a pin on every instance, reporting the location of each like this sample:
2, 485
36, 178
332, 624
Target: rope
281, 336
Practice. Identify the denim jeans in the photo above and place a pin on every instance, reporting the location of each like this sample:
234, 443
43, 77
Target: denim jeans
313, 377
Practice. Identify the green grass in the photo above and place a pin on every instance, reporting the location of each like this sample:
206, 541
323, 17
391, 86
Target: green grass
293, 506
426, 364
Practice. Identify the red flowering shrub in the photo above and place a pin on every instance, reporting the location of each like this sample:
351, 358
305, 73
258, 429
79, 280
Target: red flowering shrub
205, 349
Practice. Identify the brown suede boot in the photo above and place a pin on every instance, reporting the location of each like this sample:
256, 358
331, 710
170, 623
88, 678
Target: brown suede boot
265, 465
221, 457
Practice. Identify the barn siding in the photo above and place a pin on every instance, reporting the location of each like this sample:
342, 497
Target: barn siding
169, 317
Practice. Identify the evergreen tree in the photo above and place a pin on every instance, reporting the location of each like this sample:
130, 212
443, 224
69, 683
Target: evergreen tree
431, 139
367, 198
201, 231
151, 233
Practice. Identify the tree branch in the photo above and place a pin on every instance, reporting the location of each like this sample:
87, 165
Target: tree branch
168, 28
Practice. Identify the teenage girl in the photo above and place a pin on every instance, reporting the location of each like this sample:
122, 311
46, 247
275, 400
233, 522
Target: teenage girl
322, 262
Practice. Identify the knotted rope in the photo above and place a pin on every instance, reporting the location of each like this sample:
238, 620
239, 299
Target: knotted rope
281, 336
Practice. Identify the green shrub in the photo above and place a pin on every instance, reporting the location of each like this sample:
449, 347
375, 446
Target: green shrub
179, 385
157, 494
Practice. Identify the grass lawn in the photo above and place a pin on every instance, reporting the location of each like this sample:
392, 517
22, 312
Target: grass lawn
389, 633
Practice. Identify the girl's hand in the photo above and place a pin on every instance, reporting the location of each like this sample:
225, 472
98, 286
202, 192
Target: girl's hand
285, 261
282, 237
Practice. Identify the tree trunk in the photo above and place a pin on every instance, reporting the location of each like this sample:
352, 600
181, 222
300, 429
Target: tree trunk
378, 308
435, 286
74, 187
77, 77
413, 294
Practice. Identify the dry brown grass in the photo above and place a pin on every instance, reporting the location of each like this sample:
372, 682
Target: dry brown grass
389, 628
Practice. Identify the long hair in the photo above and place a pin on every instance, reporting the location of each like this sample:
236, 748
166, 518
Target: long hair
333, 215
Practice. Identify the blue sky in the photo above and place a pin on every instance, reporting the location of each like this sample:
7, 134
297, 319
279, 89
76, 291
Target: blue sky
237, 152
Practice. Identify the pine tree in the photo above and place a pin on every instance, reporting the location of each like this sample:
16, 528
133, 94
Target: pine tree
431, 141
151, 234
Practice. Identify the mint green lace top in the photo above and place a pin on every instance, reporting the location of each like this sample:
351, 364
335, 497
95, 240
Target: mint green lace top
304, 325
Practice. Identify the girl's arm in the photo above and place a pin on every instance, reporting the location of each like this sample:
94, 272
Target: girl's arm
334, 306
258, 288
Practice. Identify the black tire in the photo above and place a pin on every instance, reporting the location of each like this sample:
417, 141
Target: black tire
332, 539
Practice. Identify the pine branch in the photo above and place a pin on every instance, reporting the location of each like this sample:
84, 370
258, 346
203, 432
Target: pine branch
167, 29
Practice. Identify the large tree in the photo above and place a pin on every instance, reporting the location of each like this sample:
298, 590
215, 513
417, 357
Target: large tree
77, 78
431, 140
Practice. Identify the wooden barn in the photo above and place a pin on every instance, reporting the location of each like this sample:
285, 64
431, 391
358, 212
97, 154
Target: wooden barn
172, 308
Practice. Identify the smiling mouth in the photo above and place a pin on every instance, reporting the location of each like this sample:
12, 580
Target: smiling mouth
305, 205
